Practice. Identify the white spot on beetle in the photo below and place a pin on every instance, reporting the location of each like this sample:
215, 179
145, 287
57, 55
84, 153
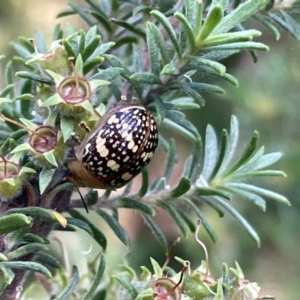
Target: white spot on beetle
103, 151
113, 164
111, 119
126, 176
130, 144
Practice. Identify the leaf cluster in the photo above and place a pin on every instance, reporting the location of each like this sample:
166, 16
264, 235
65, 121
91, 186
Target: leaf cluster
150, 54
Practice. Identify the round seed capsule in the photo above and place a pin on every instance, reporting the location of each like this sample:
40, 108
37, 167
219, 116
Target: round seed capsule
117, 150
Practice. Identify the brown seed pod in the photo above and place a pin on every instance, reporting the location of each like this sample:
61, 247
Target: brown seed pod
119, 147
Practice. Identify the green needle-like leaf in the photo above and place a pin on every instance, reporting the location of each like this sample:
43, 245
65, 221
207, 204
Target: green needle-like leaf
115, 226
97, 278
239, 219
173, 212
153, 52
213, 19
156, 231
240, 14
71, 285
169, 29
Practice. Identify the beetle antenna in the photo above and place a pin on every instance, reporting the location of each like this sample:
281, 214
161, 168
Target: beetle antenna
82, 199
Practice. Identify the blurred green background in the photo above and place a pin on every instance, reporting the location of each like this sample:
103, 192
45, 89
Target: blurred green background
267, 100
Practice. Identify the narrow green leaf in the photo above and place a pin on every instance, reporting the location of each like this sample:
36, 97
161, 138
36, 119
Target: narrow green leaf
65, 13
293, 25
248, 152
156, 231
231, 37
69, 48
72, 284
269, 26
190, 10
218, 67
267, 160
145, 183
263, 173
8, 90
145, 294
67, 127
240, 14
160, 42
214, 205
198, 7
187, 219
157, 270
170, 69
239, 46
153, 52
180, 120
192, 93
6, 278
245, 225
169, 124
212, 20
231, 145
172, 210
158, 185
257, 200
34, 77
187, 167
160, 109
196, 159
200, 215
91, 64
210, 152
97, 278
13, 222
102, 19
25, 250
124, 281
260, 191
127, 188
188, 30
98, 235
135, 204
26, 43
47, 259
91, 47
50, 157
45, 179
182, 187
80, 224
108, 74
206, 191
168, 27
126, 40
172, 159
250, 164
129, 27
90, 35
27, 265
32, 211
116, 227
146, 78
81, 13
57, 33
40, 42
205, 87
115, 62
222, 154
